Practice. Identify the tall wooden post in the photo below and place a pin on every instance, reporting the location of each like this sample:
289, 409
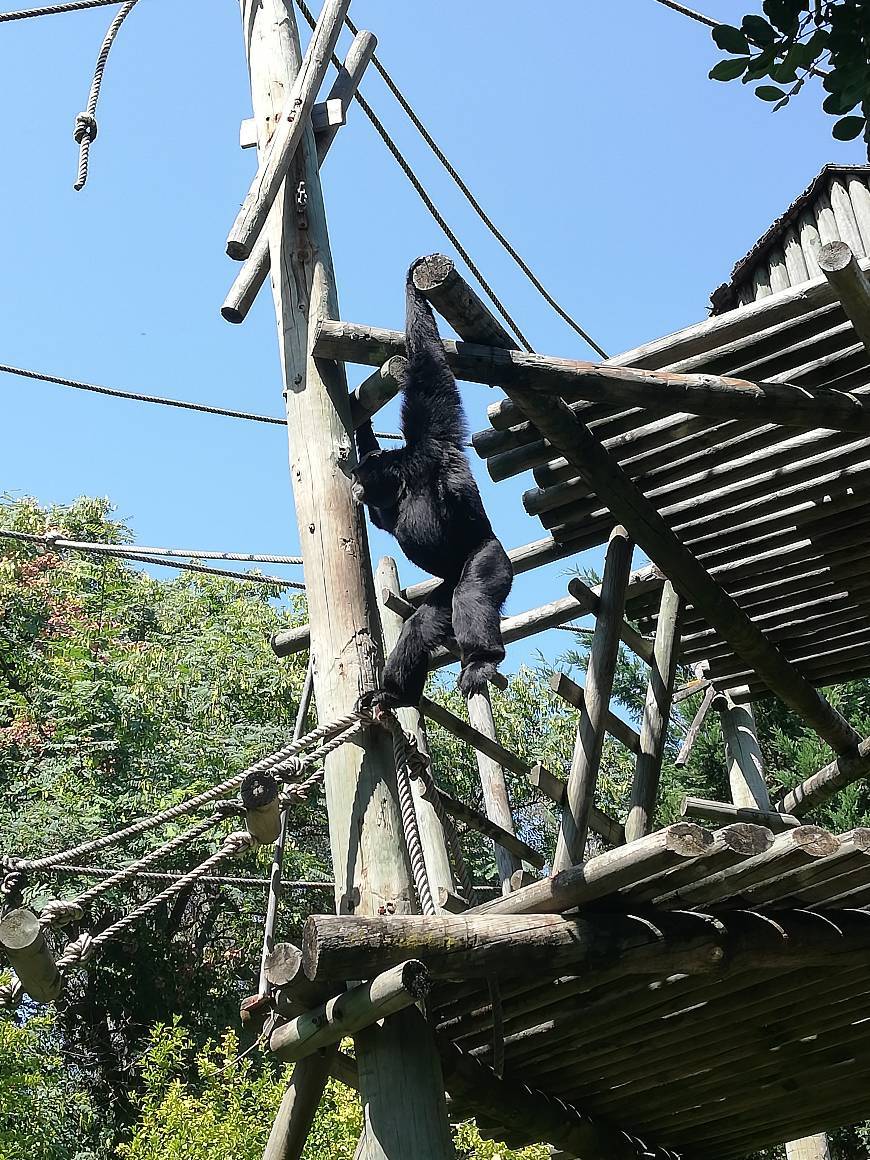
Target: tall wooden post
400, 1076
810, 1148
492, 781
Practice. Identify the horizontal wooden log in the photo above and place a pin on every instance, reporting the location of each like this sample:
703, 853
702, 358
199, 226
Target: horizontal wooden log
823, 784
475, 820
710, 395
351, 1011
29, 955
278, 154
724, 813
471, 945
324, 116
655, 537
820, 881
605, 874
377, 390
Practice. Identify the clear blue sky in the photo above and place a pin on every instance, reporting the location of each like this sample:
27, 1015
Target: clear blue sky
590, 131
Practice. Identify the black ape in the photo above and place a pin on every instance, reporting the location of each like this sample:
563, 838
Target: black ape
424, 494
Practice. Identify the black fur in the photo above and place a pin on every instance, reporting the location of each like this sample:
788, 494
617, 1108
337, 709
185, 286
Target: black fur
424, 494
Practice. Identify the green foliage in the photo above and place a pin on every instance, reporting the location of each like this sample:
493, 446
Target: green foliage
793, 39
44, 1112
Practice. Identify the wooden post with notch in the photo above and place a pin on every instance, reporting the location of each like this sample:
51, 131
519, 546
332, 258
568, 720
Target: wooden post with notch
401, 1085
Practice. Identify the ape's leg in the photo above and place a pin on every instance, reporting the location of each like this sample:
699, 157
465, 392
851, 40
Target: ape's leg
408, 663
477, 603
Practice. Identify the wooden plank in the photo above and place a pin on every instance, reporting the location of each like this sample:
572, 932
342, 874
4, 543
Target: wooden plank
292, 122
724, 813
697, 723
397, 1070
494, 787
656, 717
575, 695
583, 775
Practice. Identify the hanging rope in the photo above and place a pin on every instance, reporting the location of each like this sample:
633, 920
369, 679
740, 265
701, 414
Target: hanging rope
85, 130
410, 823
55, 541
55, 9
474, 203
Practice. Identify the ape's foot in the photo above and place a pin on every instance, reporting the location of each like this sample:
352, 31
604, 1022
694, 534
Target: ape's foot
475, 676
376, 702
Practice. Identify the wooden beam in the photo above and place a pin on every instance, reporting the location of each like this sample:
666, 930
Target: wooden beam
611, 871
724, 813
494, 787
432, 838
575, 695
590, 601
850, 284
326, 124
392, 991
291, 126
259, 794
714, 396
399, 1066
607, 828
583, 775
377, 390
29, 955
298, 1107
482, 824
825, 783
690, 578
742, 752
656, 717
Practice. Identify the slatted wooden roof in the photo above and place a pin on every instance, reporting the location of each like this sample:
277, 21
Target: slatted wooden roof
713, 1062
780, 519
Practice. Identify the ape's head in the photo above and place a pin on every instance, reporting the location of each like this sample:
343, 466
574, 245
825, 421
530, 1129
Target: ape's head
377, 480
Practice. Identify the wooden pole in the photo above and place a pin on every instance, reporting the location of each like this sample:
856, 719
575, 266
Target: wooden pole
810, 1147
742, 753
823, 784
713, 396
388, 993
840, 267
656, 717
454, 299
255, 270
26, 949
298, 1107
583, 776
259, 794
402, 1094
724, 813
435, 853
492, 782
575, 695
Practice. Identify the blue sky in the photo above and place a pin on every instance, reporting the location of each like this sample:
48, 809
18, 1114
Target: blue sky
630, 182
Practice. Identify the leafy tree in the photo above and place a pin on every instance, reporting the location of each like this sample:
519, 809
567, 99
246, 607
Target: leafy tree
795, 39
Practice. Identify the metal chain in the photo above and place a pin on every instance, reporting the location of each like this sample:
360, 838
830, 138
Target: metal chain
85, 130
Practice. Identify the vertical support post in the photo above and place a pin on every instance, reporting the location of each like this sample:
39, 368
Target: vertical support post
401, 1085
298, 1107
492, 782
742, 753
810, 1148
580, 790
656, 715
432, 838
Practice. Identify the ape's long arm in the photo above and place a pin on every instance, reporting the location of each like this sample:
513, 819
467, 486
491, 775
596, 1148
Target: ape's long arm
431, 406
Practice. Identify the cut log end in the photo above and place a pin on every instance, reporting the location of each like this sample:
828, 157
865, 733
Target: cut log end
431, 271
283, 964
745, 838
688, 839
258, 790
814, 841
232, 314
834, 256
238, 251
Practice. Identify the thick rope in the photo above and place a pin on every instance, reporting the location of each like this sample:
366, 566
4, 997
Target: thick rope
85, 947
59, 912
136, 397
475, 204
55, 541
55, 9
340, 731
692, 15
410, 823
85, 130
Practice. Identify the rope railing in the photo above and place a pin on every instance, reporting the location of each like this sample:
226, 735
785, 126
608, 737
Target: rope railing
55, 9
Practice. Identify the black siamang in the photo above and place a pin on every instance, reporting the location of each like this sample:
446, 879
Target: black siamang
424, 494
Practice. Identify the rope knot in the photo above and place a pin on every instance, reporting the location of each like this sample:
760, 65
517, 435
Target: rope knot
59, 913
76, 953
237, 844
85, 128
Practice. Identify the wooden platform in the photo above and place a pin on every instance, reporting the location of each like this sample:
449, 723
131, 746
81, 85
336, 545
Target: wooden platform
772, 1042
780, 519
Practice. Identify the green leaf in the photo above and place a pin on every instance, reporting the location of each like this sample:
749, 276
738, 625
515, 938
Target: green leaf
769, 93
836, 104
756, 29
848, 128
730, 39
730, 69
